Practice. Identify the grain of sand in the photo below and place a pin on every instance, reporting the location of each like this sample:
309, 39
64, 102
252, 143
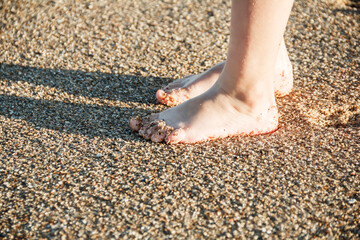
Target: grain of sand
72, 73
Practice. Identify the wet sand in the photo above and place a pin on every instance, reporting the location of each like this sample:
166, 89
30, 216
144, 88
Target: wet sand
71, 77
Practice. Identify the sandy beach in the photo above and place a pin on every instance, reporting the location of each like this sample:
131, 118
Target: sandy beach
72, 74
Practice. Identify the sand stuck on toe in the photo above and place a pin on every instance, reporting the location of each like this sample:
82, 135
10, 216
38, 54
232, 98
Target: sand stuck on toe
72, 74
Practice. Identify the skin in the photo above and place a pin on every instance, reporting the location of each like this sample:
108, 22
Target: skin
242, 100
192, 86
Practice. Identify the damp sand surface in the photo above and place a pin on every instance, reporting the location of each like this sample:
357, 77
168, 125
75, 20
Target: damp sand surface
73, 74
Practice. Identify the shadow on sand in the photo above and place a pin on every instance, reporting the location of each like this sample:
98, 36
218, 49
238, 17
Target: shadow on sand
85, 119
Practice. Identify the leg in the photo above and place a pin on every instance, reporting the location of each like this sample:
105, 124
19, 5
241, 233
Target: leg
242, 100
191, 86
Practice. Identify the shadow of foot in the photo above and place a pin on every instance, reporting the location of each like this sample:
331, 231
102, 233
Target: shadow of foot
103, 102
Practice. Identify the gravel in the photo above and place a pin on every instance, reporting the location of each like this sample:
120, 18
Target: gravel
72, 73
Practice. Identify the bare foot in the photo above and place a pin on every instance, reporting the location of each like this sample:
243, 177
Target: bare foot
191, 86
242, 100
213, 114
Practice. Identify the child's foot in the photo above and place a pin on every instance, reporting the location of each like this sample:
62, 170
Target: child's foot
213, 114
191, 86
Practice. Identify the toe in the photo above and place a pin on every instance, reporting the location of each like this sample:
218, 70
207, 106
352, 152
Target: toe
151, 127
165, 97
173, 98
174, 93
144, 131
135, 123
161, 131
147, 129
158, 136
160, 95
154, 129
175, 136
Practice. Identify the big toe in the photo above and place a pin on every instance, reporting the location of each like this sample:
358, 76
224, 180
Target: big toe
161, 95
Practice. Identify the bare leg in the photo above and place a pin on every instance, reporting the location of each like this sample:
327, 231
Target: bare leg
192, 86
242, 100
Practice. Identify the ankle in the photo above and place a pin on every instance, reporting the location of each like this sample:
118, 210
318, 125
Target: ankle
255, 92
